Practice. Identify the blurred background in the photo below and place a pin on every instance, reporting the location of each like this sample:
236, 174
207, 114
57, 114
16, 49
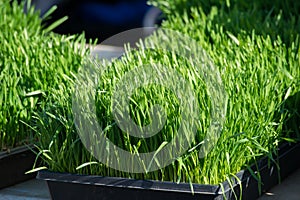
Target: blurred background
100, 19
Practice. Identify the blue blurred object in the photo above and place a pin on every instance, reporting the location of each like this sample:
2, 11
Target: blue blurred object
98, 18
119, 14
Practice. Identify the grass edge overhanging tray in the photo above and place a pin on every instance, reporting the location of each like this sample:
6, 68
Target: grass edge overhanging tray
92, 187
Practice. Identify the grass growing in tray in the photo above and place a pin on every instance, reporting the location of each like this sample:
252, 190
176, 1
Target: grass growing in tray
33, 63
255, 48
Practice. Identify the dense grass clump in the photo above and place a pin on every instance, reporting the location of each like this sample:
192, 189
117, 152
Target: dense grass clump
257, 54
33, 63
274, 18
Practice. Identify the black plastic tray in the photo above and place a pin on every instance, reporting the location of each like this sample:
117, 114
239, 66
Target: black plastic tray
72, 186
14, 164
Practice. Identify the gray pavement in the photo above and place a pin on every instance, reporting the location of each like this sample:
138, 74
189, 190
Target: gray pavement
106, 51
289, 189
29, 190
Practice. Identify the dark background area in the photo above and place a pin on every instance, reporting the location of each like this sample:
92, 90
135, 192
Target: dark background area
99, 19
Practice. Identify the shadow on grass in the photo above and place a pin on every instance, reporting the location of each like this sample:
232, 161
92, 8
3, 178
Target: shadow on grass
291, 126
279, 19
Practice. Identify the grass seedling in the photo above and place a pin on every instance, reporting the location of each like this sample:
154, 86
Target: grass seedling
256, 49
33, 63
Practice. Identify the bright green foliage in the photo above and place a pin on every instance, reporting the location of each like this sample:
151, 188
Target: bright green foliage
258, 57
33, 62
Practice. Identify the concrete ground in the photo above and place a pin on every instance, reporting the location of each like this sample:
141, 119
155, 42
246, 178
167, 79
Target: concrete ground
289, 189
29, 190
